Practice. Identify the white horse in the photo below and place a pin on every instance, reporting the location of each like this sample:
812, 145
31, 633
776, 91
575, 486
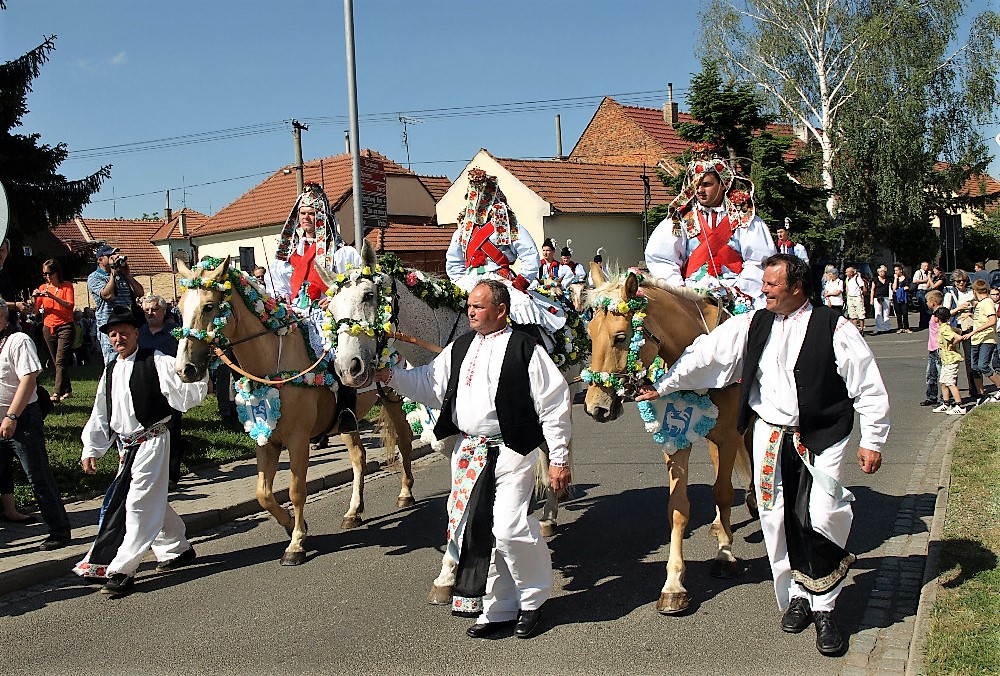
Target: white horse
424, 308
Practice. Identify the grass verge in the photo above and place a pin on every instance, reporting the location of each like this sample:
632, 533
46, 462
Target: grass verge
964, 636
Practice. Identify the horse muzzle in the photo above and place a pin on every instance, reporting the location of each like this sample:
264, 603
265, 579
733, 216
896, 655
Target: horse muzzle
355, 373
189, 372
601, 405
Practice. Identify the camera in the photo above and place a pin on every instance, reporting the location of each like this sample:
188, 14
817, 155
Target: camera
120, 262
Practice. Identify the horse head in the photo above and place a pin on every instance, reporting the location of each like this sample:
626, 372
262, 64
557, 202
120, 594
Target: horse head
611, 331
578, 295
199, 306
357, 308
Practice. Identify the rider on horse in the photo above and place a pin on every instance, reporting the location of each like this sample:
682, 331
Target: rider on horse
713, 238
488, 242
309, 239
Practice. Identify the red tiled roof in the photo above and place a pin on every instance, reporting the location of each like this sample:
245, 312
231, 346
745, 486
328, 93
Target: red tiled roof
977, 185
412, 233
580, 187
268, 203
132, 236
171, 229
671, 145
437, 186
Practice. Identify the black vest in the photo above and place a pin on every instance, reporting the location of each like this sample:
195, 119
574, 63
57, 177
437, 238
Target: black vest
519, 424
149, 403
826, 412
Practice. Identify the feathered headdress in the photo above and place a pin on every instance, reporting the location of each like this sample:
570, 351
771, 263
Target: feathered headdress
327, 229
739, 190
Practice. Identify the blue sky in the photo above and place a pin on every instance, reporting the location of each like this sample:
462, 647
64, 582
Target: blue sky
125, 72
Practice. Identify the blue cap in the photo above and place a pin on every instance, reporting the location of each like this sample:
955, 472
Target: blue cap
106, 250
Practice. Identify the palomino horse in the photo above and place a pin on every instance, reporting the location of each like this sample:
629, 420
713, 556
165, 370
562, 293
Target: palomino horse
674, 318
210, 319
423, 308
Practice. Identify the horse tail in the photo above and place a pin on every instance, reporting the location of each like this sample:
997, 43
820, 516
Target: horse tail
742, 468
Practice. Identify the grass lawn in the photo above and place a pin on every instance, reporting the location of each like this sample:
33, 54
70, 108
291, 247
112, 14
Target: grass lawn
964, 637
210, 441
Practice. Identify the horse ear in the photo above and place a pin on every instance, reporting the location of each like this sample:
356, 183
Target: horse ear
630, 287
184, 270
368, 254
597, 274
223, 270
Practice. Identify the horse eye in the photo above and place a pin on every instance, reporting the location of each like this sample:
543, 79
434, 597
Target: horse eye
208, 307
620, 338
368, 297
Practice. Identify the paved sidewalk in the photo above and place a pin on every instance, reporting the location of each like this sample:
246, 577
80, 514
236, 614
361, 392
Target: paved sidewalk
207, 498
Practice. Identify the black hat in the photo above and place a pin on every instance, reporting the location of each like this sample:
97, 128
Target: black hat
122, 314
566, 251
549, 243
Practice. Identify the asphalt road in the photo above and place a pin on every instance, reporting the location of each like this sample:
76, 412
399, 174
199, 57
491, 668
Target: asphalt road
358, 605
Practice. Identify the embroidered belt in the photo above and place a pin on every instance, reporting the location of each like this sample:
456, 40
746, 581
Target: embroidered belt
143, 436
830, 486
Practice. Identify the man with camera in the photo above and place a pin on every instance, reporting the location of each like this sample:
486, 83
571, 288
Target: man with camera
111, 284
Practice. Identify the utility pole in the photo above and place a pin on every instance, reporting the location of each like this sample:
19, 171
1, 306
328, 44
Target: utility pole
297, 129
352, 99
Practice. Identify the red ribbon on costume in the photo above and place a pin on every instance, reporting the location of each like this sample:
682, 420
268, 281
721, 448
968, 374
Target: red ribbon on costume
714, 248
304, 268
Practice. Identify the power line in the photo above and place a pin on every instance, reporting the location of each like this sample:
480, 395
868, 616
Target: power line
518, 107
183, 187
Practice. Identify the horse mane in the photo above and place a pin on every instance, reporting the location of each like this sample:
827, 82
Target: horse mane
612, 289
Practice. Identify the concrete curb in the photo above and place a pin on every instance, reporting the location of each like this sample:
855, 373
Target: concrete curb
929, 588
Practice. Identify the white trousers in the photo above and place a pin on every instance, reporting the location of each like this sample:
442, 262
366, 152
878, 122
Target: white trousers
520, 576
829, 517
150, 522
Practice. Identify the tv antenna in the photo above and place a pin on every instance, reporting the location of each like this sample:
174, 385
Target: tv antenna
406, 120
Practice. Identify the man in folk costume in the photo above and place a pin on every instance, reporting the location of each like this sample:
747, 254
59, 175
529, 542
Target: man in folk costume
479, 382
569, 270
548, 269
713, 238
310, 238
802, 369
486, 245
136, 397
785, 245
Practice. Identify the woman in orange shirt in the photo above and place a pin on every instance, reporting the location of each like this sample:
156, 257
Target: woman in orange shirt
55, 299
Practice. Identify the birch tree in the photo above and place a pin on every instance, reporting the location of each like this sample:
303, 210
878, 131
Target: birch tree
815, 59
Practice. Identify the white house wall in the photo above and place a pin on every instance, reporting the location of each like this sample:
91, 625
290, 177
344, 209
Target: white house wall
264, 242
621, 237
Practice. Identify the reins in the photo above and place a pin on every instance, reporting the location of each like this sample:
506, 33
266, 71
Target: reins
220, 353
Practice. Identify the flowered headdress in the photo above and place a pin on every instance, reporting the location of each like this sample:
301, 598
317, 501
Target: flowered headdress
486, 204
327, 235
738, 200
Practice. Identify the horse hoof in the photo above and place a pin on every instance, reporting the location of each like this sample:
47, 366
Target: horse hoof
548, 529
671, 603
405, 502
439, 596
351, 522
726, 570
293, 558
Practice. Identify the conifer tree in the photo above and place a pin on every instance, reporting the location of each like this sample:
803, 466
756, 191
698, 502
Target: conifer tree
39, 197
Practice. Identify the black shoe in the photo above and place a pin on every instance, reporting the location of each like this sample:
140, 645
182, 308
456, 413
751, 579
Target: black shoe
527, 623
797, 616
182, 559
487, 628
27, 520
829, 640
118, 584
928, 402
54, 542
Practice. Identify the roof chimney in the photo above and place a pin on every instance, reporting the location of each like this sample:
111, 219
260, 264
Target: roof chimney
670, 108
182, 224
167, 213
347, 141
559, 154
